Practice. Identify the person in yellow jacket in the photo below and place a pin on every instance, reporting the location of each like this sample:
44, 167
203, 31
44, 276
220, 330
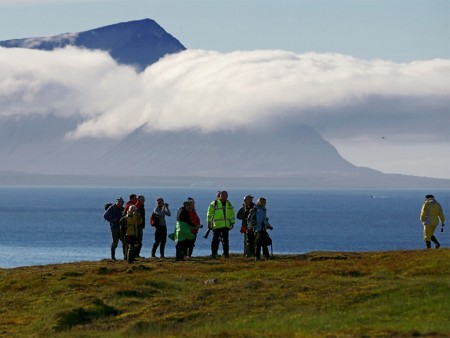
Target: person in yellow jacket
220, 219
430, 215
129, 226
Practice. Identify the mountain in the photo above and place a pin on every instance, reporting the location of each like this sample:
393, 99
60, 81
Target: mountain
35, 152
138, 43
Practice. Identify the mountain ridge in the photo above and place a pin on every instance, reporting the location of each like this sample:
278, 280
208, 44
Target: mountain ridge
138, 43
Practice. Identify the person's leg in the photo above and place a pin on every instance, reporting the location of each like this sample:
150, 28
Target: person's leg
257, 246
215, 242
435, 241
428, 232
115, 234
157, 241
163, 238
225, 242
131, 248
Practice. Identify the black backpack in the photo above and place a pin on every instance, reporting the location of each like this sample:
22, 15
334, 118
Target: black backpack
123, 225
107, 205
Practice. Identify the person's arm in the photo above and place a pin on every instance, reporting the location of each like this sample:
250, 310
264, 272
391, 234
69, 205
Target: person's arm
241, 213
167, 210
441, 215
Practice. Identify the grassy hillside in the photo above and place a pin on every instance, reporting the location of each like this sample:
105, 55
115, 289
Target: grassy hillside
401, 293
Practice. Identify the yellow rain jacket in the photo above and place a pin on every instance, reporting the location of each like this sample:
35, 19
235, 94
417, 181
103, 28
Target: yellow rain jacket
429, 216
431, 212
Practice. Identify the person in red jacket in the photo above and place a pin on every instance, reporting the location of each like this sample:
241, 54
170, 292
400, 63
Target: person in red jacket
196, 221
132, 201
140, 204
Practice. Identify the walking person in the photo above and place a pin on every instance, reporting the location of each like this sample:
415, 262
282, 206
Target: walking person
140, 205
158, 220
430, 215
259, 221
249, 235
220, 218
113, 215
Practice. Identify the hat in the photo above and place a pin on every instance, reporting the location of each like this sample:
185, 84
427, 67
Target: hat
261, 201
429, 196
159, 199
247, 196
120, 199
190, 199
132, 196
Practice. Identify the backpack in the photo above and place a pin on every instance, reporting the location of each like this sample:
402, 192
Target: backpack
154, 219
107, 205
123, 225
251, 219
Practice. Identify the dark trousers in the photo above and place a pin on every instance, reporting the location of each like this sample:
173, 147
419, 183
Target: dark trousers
131, 247
191, 245
115, 234
261, 242
181, 249
249, 243
220, 234
160, 240
139, 238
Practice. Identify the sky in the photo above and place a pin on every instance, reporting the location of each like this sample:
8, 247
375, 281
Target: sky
372, 77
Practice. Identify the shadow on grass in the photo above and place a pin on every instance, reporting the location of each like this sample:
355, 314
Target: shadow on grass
81, 316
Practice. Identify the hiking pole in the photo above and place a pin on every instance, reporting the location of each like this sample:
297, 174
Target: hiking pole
207, 234
442, 227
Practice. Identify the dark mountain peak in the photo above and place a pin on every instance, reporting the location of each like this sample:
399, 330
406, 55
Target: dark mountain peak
138, 43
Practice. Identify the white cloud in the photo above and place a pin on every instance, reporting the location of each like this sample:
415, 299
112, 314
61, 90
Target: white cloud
342, 97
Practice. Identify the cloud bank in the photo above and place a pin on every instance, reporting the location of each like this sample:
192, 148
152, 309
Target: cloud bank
340, 96
393, 117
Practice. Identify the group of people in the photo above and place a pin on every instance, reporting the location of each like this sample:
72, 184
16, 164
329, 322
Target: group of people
127, 223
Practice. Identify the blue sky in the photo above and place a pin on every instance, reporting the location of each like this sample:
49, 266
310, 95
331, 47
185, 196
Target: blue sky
396, 30
384, 104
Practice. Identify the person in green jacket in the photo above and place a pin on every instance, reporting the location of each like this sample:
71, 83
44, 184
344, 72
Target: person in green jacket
220, 218
183, 230
430, 215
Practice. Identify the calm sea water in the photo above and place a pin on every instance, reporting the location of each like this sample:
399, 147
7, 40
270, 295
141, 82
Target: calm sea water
55, 225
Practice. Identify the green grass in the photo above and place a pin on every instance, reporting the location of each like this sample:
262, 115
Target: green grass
374, 294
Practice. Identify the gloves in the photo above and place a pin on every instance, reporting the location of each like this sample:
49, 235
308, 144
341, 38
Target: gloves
243, 229
210, 225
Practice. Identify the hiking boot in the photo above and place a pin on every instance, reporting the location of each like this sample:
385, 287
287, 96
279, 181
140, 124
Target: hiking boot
437, 246
213, 256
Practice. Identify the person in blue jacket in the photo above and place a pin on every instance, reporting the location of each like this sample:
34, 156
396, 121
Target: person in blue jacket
258, 221
113, 215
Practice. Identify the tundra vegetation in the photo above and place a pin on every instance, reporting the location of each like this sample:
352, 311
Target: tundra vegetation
338, 294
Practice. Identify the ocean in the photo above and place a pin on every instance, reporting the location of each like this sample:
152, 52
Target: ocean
56, 225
